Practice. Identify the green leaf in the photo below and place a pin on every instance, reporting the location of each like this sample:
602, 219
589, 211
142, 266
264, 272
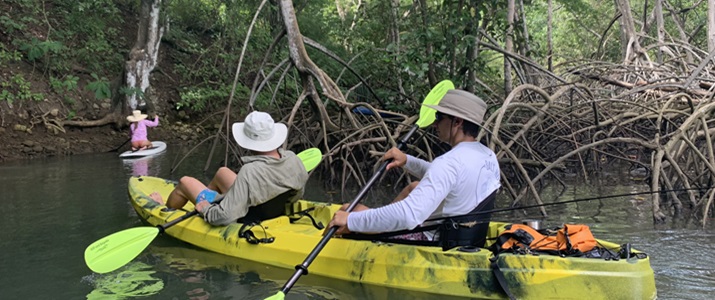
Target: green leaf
100, 87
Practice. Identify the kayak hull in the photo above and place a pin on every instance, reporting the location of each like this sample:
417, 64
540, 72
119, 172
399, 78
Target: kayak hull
157, 147
414, 268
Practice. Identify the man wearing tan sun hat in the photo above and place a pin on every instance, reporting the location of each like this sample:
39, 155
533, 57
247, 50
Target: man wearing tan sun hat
271, 171
459, 182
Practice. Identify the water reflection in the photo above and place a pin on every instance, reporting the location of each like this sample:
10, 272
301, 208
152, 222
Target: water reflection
222, 276
134, 280
56, 207
140, 167
143, 166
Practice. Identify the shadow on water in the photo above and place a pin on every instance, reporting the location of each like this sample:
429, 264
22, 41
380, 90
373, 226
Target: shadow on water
56, 207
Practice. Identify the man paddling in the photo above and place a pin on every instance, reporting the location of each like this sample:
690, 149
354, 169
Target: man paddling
268, 173
455, 183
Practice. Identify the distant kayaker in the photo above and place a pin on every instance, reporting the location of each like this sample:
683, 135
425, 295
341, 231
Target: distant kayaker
268, 173
455, 183
138, 129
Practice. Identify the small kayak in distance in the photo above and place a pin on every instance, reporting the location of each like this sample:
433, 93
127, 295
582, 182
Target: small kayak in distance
157, 147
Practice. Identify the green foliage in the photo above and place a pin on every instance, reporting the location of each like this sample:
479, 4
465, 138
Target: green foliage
63, 86
131, 91
24, 3
36, 49
10, 26
66, 84
7, 96
201, 99
67, 33
100, 87
214, 31
207, 38
18, 89
199, 15
9, 56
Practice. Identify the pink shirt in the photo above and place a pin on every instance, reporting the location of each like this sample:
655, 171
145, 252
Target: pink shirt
139, 129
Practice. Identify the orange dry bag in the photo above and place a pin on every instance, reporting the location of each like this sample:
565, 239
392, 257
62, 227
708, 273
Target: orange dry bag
571, 239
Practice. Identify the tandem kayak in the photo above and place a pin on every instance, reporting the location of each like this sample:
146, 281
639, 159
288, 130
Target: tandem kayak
286, 241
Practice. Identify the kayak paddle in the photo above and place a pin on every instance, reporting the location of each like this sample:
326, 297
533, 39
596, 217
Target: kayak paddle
427, 117
118, 249
310, 158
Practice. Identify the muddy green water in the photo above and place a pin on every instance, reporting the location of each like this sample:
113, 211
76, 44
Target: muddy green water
53, 208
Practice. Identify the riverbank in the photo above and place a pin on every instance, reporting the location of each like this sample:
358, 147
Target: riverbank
19, 141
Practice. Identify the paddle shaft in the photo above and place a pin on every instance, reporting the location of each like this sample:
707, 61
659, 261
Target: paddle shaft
194, 212
163, 227
120, 146
303, 268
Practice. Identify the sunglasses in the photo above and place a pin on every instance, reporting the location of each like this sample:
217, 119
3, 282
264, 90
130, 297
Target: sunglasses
439, 116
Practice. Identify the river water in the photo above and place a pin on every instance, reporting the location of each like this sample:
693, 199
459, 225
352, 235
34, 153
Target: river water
54, 208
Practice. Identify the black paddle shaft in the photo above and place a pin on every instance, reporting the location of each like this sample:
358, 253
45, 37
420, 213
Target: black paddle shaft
194, 212
163, 227
303, 268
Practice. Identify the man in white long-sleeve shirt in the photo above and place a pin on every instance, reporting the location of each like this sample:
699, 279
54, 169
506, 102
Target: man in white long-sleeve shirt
451, 185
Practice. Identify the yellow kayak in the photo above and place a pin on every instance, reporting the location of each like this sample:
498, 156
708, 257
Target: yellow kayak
415, 268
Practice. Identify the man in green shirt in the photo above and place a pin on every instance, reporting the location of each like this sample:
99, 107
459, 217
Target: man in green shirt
268, 173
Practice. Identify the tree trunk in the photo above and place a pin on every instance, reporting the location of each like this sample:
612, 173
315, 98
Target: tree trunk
549, 43
472, 49
306, 67
395, 39
509, 45
525, 49
341, 10
711, 26
143, 56
631, 47
458, 5
428, 46
660, 28
680, 25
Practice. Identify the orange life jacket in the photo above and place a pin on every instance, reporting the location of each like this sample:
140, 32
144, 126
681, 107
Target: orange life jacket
568, 239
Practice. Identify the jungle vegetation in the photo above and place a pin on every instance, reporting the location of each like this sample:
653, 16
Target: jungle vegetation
571, 84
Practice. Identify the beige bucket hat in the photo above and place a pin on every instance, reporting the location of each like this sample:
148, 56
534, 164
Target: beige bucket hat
259, 132
136, 116
462, 104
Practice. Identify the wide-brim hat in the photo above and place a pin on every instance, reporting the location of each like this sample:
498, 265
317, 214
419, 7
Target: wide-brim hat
136, 116
462, 104
259, 132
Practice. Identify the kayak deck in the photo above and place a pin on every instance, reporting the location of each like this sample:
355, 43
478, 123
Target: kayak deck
415, 268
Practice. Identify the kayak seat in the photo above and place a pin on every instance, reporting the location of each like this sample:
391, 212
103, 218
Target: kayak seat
469, 230
273, 208
475, 235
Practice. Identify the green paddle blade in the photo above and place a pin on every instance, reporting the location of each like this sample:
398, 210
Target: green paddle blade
116, 250
277, 296
310, 158
427, 114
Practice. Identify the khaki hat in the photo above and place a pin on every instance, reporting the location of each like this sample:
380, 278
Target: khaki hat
259, 132
136, 116
462, 104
